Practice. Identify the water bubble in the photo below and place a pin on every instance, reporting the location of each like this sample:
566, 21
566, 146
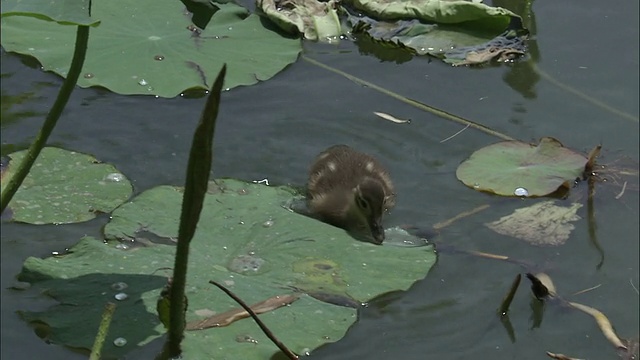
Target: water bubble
521, 192
88, 76
143, 82
121, 296
246, 338
122, 246
246, 264
119, 286
115, 177
476, 186
268, 223
120, 342
158, 58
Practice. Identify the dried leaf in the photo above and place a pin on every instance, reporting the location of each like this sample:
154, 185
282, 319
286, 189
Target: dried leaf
543, 223
603, 323
392, 118
560, 356
541, 285
485, 55
228, 317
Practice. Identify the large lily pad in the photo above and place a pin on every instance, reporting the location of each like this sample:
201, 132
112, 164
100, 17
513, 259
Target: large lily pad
458, 32
435, 11
66, 12
151, 49
246, 240
65, 187
515, 168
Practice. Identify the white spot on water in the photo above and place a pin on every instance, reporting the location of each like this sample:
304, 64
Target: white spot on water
521, 192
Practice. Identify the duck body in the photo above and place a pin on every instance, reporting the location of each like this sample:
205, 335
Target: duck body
351, 190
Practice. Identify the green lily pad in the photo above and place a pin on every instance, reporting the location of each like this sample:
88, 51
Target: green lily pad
147, 49
482, 16
515, 168
245, 240
65, 187
65, 12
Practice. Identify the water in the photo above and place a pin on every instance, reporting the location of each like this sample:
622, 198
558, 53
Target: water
274, 129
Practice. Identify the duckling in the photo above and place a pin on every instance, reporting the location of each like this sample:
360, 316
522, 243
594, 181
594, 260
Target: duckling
351, 190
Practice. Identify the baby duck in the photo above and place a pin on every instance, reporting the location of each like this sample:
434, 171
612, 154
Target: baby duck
351, 190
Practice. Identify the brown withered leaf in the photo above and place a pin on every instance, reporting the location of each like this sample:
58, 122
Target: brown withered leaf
228, 317
560, 356
603, 323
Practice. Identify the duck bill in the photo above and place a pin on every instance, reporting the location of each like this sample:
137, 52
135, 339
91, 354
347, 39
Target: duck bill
377, 231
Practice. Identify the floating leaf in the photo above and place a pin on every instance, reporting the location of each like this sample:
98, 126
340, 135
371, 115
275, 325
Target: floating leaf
147, 49
543, 223
515, 168
435, 11
245, 240
392, 118
66, 12
65, 187
314, 19
542, 286
603, 323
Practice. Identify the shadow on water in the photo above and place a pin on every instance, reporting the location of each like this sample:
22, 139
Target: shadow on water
82, 299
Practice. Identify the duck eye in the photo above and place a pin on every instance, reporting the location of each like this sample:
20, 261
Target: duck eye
362, 203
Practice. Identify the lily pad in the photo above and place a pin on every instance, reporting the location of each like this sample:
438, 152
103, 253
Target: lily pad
444, 12
245, 240
65, 12
515, 168
543, 223
314, 19
458, 32
65, 187
147, 49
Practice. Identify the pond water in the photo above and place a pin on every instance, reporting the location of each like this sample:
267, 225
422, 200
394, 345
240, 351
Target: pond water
274, 129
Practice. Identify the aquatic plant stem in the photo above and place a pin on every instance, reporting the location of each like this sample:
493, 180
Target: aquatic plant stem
584, 96
441, 113
255, 318
196, 184
508, 298
107, 315
79, 54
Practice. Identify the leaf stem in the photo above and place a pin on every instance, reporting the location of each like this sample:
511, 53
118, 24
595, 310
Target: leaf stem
198, 169
255, 318
441, 113
79, 54
107, 315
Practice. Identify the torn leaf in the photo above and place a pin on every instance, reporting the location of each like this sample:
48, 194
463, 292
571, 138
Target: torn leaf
543, 223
